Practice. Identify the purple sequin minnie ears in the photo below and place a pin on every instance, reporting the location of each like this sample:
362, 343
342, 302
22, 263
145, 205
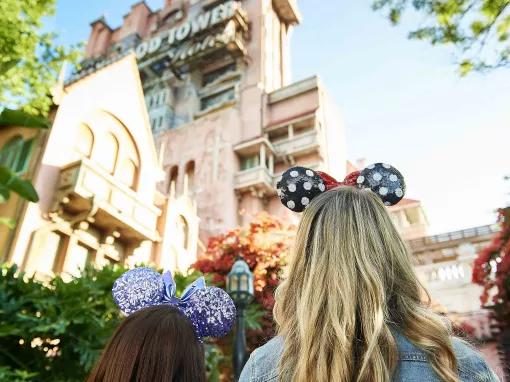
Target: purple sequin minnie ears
299, 185
211, 310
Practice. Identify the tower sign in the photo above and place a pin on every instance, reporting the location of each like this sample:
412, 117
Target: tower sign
186, 30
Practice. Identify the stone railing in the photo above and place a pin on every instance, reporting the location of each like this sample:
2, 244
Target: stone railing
83, 186
465, 234
256, 177
301, 143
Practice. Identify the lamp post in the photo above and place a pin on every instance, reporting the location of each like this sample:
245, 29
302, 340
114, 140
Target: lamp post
240, 288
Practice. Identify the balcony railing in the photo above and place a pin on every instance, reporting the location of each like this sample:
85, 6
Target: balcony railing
257, 178
85, 188
465, 234
299, 144
447, 273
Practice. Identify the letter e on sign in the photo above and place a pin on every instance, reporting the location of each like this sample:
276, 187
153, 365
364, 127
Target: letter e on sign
217, 14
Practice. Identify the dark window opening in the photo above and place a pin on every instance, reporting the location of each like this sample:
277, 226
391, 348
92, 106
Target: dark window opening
215, 74
217, 99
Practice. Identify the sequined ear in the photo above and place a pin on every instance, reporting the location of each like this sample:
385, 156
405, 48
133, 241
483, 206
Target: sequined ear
385, 180
211, 311
298, 186
137, 289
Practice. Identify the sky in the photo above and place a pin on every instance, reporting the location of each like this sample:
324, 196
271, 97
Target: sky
402, 101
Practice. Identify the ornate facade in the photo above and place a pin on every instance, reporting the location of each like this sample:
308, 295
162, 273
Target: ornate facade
96, 172
226, 117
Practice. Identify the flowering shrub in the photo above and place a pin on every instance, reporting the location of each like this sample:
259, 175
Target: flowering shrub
492, 270
264, 245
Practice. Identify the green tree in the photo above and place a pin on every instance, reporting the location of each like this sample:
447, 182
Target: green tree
478, 29
30, 59
11, 179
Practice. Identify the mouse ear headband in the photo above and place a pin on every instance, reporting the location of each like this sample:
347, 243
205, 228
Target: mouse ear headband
299, 185
211, 310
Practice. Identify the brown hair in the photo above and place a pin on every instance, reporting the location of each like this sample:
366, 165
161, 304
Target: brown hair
155, 344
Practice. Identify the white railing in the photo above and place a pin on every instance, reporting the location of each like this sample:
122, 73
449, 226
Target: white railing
87, 181
456, 235
299, 143
455, 272
252, 177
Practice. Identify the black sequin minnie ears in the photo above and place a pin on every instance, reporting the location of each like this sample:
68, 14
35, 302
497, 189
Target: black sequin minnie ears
299, 185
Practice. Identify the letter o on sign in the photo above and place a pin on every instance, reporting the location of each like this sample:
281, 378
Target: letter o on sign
141, 50
154, 44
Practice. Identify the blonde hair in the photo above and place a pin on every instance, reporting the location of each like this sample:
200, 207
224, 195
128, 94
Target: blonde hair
350, 284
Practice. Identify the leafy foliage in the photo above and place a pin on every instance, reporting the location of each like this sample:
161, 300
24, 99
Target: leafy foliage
10, 117
492, 270
29, 58
55, 331
264, 245
10, 182
479, 29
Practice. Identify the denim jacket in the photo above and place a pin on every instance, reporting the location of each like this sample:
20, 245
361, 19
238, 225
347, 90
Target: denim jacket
413, 365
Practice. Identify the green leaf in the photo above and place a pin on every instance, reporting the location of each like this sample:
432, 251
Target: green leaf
465, 68
9, 117
254, 314
4, 194
11, 182
477, 30
10, 223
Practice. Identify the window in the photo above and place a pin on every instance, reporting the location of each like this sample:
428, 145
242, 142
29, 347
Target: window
172, 180
217, 99
84, 141
189, 176
250, 162
215, 74
51, 243
16, 154
109, 153
182, 232
76, 258
160, 122
127, 173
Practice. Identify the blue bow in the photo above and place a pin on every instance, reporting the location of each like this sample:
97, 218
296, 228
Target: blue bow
170, 289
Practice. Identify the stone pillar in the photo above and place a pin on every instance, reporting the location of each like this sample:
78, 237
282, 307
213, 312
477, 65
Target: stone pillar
271, 163
263, 155
291, 131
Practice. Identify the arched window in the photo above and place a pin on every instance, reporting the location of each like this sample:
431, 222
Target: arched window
189, 176
84, 141
127, 173
15, 154
172, 181
108, 156
182, 232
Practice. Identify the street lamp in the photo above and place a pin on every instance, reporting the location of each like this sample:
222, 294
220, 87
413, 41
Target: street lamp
240, 288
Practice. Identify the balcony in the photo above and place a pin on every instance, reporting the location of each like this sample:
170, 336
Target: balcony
257, 179
298, 145
447, 273
450, 239
86, 191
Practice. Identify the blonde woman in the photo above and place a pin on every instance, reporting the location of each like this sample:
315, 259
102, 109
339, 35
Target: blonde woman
350, 308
